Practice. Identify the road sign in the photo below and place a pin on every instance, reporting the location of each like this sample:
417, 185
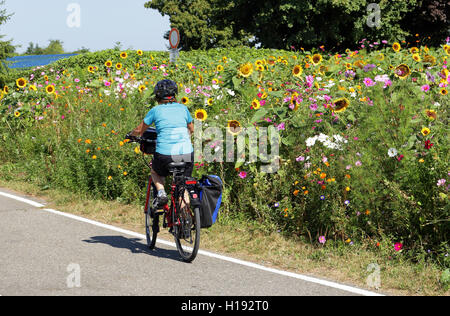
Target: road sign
174, 38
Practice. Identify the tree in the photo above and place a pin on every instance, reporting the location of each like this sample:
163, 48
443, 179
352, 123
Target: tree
337, 24
54, 48
6, 48
203, 23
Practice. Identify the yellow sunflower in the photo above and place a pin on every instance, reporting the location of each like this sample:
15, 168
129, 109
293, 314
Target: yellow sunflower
425, 131
91, 69
185, 100
297, 71
140, 52
402, 71
431, 114
210, 102
340, 105
396, 47
32, 87
5, 90
17, 114
414, 50
316, 59
201, 115
246, 70
234, 127
50, 89
443, 91
119, 66
416, 57
219, 68
256, 104
21, 82
123, 55
108, 64
430, 60
142, 88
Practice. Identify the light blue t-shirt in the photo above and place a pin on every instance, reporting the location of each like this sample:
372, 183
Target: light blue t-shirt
171, 122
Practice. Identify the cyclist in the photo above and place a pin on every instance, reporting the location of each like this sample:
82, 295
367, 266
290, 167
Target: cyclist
174, 126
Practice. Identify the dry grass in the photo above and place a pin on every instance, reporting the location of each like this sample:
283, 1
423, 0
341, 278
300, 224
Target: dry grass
245, 241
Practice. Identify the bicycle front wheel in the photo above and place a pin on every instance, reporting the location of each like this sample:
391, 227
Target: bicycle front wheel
187, 233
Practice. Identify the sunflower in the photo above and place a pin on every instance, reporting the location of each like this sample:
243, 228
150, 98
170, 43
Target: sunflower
341, 104
402, 71
297, 71
17, 114
316, 59
425, 131
260, 68
210, 102
108, 64
33, 87
414, 50
50, 89
91, 69
21, 82
416, 57
246, 70
380, 57
141, 88
428, 59
234, 127
219, 68
256, 104
140, 52
443, 91
431, 114
447, 50
119, 66
123, 55
185, 100
396, 47
5, 90
201, 115
359, 63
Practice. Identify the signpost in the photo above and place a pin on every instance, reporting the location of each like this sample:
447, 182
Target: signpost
174, 41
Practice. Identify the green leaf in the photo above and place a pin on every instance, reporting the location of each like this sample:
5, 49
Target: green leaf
259, 115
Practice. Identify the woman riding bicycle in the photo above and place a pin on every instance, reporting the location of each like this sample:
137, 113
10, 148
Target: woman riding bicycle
174, 126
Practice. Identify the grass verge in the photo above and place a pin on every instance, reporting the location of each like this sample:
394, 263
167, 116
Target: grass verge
245, 240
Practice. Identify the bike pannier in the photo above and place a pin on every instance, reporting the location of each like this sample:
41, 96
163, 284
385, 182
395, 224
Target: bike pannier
149, 146
211, 199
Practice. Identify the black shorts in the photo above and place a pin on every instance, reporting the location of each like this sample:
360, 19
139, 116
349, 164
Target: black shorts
161, 162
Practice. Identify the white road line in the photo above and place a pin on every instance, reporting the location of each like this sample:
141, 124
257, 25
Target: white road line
335, 285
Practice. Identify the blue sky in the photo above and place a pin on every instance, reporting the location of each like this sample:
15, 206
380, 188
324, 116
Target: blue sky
102, 24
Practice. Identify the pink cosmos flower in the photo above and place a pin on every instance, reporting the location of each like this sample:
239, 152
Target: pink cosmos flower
243, 174
369, 82
425, 88
398, 246
322, 240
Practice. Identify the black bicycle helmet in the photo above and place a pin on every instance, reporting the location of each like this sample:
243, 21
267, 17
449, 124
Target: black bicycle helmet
166, 90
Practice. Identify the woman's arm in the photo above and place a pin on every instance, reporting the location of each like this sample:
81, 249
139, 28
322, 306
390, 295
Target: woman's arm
190, 127
140, 130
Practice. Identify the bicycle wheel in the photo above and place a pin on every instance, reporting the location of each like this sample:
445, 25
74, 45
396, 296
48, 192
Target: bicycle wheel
151, 220
187, 233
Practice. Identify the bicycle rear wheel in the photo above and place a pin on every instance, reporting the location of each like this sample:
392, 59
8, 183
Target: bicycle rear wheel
151, 220
187, 234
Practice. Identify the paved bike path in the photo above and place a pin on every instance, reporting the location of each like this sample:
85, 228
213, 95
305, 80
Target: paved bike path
43, 253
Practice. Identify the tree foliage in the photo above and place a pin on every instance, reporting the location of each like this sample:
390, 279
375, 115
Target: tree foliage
6, 47
282, 24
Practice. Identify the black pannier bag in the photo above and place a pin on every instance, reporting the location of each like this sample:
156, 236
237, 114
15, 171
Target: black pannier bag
149, 146
211, 199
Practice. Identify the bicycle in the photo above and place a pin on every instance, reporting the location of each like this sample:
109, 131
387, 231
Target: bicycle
183, 222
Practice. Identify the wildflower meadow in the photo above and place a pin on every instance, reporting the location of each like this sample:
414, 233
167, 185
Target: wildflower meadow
363, 155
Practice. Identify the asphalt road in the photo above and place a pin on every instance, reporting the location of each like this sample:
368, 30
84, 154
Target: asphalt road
43, 253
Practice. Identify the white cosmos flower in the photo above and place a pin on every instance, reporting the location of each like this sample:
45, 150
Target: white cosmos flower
392, 152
